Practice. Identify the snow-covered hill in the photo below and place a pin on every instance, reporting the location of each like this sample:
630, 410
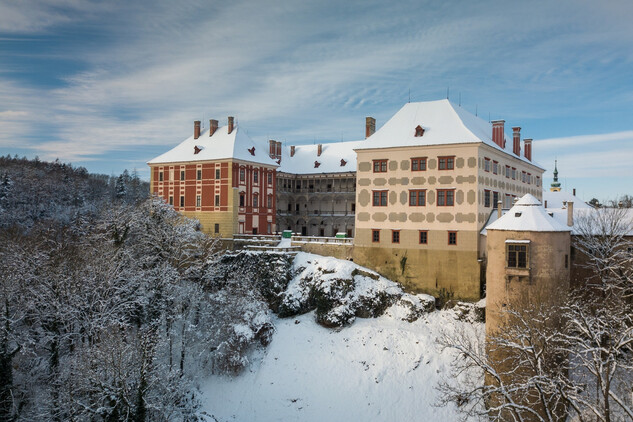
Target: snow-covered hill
377, 369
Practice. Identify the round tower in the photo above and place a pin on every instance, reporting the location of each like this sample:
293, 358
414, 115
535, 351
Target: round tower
528, 269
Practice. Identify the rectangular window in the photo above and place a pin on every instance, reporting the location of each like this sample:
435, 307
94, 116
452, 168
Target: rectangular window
256, 176
380, 166
517, 255
529, 178
523, 177
171, 200
380, 198
182, 201
452, 238
445, 197
417, 197
216, 229
160, 176
199, 174
270, 178
418, 164
217, 174
270, 201
514, 173
255, 201
486, 198
508, 201
495, 167
242, 175
495, 198
538, 181
486, 164
182, 175
242, 197
198, 201
375, 236
395, 236
446, 163
424, 237
217, 200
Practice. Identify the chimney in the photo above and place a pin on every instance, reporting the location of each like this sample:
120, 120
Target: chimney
230, 124
370, 126
527, 146
574, 191
499, 209
272, 148
319, 150
497, 132
196, 129
292, 150
570, 213
516, 141
213, 126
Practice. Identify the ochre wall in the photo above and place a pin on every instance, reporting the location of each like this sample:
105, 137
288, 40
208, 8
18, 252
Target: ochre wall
427, 268
336, 251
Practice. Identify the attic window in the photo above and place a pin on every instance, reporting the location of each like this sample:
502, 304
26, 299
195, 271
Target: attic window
343, 162
279, 161
196, 149
316, 164
252, 151
419, 131
517, 214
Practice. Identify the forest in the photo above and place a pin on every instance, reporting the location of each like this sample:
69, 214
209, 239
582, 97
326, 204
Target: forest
111, 303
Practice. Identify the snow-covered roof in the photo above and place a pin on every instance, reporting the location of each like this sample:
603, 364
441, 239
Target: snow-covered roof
528, 215
221, 145
597, 220
556, 199
336, 157
443, 123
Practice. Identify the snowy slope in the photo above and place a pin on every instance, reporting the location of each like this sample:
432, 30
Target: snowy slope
378, 369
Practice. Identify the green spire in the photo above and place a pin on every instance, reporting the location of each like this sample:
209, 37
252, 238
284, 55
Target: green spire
555, 183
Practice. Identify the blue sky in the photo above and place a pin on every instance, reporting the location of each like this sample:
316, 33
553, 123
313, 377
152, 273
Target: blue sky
111, 84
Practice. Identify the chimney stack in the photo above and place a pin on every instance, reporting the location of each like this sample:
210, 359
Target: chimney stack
196, 129
499, 209
497, 132
213, 126
570, 213
319, 150
370, 126
527, 146
230, 124
292, 150
516, 140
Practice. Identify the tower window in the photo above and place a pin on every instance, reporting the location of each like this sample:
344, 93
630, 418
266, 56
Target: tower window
517, 255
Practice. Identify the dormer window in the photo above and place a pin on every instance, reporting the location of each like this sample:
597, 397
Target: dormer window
419, 131
252, 151
196, 150
343, 162
316, 164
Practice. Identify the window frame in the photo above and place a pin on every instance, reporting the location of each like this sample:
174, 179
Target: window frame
495, 167
395, 236
444, 161
516, 254
217, 200
445, 197
454, 234
487, 165
382, 194
418, 162
161, 176
198, 174
375, 235
256, 177
198, 201
417, 194
380, 166
182, 201
426, 237
242, 175
487, 198
218, 174
256, 200
182, 175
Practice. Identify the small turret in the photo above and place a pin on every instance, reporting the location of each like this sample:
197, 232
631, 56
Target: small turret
555, 186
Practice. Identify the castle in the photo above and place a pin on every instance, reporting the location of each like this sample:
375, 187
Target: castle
415, 195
